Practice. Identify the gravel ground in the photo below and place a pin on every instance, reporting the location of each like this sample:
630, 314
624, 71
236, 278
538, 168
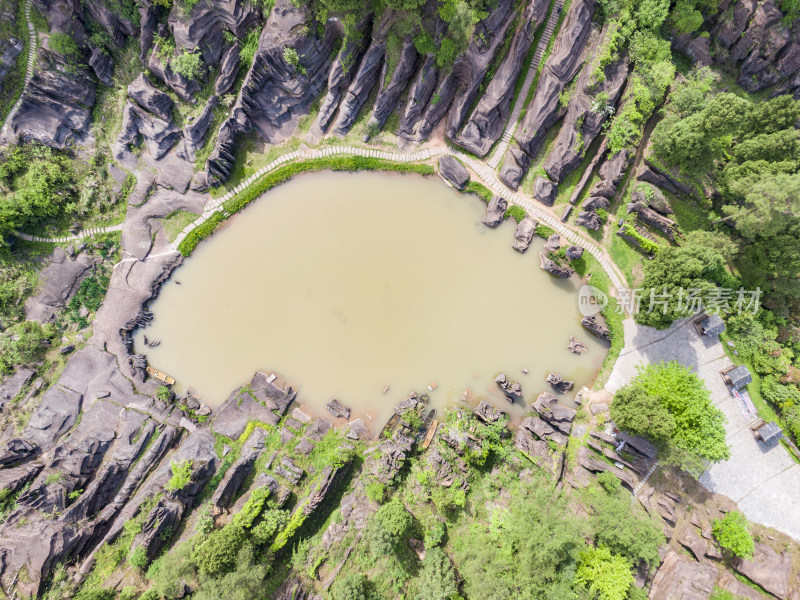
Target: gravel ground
763, 481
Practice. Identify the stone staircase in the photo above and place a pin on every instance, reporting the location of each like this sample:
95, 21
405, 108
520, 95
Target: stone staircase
533, 69
32, 45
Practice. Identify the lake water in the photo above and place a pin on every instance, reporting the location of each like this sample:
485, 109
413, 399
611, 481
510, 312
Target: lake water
346, 283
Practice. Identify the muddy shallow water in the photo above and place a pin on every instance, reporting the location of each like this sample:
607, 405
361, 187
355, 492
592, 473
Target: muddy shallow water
345, 284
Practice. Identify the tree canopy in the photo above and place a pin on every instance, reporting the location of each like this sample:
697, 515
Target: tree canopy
685, 424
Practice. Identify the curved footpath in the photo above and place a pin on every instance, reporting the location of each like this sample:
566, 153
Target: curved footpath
32, 45
484, 173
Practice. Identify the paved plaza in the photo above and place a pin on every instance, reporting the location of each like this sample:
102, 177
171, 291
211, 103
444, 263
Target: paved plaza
764, 481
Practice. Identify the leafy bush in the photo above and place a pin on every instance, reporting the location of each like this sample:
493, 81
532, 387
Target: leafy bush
216, 555
376, 491
607, 576
388, 527
138, 558
352, 586
181, 475
188, 65
732, 534
292, 58
516, 212
63, 44
24, 344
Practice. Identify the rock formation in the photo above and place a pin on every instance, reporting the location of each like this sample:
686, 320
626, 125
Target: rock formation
524, 234
564, 61
453, 172
495, 211
486, 123
596, 327
554, 268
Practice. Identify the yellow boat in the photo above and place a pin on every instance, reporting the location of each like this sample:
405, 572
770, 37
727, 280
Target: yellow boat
429, 435
160, 375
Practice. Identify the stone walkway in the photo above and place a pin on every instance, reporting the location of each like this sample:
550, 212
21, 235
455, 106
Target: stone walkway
33, 43
84, 233
533, 69
763, 481
486, 174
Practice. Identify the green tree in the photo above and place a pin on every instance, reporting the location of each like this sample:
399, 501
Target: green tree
606, 575
352, 586
638, 412
732, 534
389, 527
245, 580
625, 530
699, 432
437, 578
529, 551
217, 554
187, 65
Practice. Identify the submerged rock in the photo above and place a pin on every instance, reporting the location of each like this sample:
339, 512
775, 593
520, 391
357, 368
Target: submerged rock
511, 389
337, 409
559, 384
576, 347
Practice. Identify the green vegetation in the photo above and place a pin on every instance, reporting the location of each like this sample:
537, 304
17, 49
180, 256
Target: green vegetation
63, 44
181, 475
605, 575
283, 174
672, 407
24, 344
516, 212
15, 77
732, 534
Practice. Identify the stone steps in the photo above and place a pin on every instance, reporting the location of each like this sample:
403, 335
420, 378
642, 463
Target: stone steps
32, 45
533, 69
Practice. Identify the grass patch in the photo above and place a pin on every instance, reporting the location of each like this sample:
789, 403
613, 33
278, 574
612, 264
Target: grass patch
613, 317
473, 187
283, 174
175, 222
626, 257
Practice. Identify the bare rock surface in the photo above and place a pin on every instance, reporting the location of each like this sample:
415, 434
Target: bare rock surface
146, 95
454, 172
679, 576
596, 327
524, 234
55, 108
489, 413
545, 191
767, 568
495, 211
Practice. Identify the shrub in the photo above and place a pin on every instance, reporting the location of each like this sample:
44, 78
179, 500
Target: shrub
63, 44
163, 393
217, 554
376, 491
24, 344
292, 58
187, 65
181, 475
732, 534
606, 575
516, 212
138, 558
434, 533
352, 586
609, 482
